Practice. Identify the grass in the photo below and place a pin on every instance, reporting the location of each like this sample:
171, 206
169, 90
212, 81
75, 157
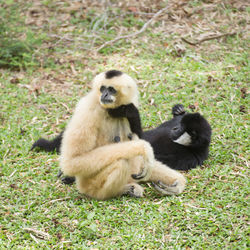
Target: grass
212, 212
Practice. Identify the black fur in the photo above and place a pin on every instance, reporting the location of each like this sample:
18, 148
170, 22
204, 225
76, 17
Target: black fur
112, 73
174, 155
49, 145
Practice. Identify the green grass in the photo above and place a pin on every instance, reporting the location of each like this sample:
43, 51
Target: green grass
212, 212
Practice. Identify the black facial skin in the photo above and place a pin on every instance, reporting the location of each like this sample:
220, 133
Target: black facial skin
176, 132
107, 93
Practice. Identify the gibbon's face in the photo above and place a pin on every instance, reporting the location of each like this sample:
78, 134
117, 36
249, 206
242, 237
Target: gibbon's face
115, 88
187, 131
108, 95
180, 136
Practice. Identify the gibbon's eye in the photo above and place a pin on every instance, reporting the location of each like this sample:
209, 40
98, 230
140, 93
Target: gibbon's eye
112, 90
175, 128
102, 89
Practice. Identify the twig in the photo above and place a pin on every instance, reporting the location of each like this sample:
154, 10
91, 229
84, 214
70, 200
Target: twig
34, 238
61, 199
12, 174
207, 38
194, 206
144, 27
37, 234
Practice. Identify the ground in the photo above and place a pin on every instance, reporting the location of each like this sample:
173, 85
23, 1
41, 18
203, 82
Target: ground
174, 62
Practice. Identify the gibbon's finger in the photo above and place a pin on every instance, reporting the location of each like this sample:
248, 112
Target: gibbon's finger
163, 186
132, 193
134, 190
178, 109
141, 175
164, 189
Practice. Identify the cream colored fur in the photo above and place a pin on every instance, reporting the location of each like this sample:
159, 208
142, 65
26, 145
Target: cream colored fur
103, 168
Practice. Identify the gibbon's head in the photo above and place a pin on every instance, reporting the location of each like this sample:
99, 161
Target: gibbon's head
193, 130
115, 88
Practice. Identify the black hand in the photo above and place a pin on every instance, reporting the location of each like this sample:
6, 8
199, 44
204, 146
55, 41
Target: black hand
118, 112
130, 112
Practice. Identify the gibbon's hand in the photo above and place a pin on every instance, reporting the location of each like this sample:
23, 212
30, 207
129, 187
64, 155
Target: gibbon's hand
130, 112
123, 111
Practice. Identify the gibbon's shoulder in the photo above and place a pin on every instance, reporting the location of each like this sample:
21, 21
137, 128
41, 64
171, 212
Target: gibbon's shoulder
86, 105
84, 116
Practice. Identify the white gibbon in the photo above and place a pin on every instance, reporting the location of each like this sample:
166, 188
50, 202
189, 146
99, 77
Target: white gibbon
100, 151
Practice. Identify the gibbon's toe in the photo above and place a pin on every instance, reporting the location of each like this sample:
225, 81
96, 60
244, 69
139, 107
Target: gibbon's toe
135, 190
178, 109
176, 188
59, 174
68, 180
141, 175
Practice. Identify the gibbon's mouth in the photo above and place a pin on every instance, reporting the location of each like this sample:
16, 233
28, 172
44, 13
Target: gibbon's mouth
106, 101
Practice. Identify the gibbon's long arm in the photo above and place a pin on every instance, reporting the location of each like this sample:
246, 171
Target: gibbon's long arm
130, 112
92, 162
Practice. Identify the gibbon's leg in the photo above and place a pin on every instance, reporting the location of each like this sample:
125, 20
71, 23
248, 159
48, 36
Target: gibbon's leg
93, 162
167, 180
109, 183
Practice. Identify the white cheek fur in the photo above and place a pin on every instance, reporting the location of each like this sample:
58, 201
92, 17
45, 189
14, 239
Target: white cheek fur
184, 139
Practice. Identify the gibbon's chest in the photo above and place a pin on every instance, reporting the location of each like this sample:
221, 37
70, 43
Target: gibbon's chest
114, 130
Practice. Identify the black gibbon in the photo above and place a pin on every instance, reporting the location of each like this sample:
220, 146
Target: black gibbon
102, 153
181, 143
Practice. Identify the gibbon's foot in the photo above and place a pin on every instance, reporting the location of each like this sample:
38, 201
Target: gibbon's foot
178, 109
117, 139
147, 166
141, 175
68, 180
167, 189
134, 190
